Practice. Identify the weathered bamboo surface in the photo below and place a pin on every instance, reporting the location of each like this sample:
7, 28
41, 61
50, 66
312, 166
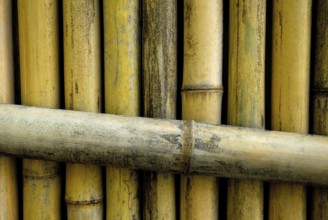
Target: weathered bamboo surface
162, 145
39, 73
320, 105
122, 96
8, 180
82, 76
290, 93
246, 95
159, 57
201, 95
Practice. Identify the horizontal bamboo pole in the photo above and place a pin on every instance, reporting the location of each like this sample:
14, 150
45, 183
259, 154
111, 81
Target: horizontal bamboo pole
162, 145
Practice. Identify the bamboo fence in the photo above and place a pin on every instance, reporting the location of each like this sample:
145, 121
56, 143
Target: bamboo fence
39, 75
122, 96
290, 93
320, 86
159, 59
246, 79
8, 174
82, 68
130, 58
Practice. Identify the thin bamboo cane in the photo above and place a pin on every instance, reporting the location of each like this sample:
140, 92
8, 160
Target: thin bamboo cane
39, 66
160, 90
201, 95
320, 87
84, 193
246, 95
290, 93
8, 182
162, 145
122, 80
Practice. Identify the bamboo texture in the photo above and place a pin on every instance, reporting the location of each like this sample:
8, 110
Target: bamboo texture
290, 93
162, 145
201, 95
246, 95
8, 179
122, 96
320, 88
159, 57
39, 73
82, 68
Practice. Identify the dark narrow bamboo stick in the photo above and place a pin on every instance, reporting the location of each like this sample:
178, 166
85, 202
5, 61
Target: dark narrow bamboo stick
246, 95
8, 178
201, 95
290, 93
320, 105
39, 69
82, 70
122, 96
159, 57
162, 145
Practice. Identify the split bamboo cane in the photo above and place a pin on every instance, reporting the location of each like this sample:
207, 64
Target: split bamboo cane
320, 87
162, 145
290, 93
39, 68
246, 95
122, 90
159, 57
201, 95
8, 179
84, 194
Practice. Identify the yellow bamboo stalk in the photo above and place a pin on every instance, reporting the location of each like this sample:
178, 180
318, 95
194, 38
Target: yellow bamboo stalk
320, 87
160, 89
39, 66
246, 95
84, 195
122, 91
201, 95
290, 93
8, 179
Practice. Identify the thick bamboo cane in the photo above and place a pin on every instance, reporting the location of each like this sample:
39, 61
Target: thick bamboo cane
159, 56
246, 95
84, 194
162, 145
39, 66
320, 89
122, 90
8, 179
290, 93
201, 95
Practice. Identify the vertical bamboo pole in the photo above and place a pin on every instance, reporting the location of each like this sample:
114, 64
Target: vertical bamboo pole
246, 95
290, 93
122, 96
320, 89
39, 62
84, 196
159, 57
201, 95
8, 182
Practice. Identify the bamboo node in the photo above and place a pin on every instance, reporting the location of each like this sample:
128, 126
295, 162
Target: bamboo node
187, 146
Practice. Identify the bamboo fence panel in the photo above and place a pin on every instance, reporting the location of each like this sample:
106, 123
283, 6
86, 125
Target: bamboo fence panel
8, 179
159, 57
162, 145
122, 96
320, 86
82, 69
246, 95
39, 73
290, 93
201, 95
